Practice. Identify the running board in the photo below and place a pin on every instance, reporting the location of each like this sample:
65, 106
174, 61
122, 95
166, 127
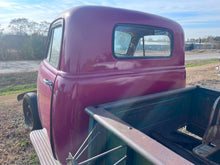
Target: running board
41, 143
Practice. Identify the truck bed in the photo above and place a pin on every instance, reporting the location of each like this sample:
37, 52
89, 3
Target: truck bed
177, 120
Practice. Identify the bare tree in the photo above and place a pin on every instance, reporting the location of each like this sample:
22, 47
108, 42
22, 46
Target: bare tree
44, 27
1, 30
22, 26
33, 27
19, 26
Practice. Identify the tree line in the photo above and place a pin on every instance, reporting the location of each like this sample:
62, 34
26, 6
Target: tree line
209, 42
23, 40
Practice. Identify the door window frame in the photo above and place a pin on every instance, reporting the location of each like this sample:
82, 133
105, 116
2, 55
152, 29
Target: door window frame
55, 24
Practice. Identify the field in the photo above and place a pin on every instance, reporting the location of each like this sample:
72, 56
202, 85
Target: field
15, 146
17, 82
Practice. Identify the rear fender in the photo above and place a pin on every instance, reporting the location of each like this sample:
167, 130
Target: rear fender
21, 96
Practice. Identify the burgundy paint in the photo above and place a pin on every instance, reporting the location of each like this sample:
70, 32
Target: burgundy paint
90, 75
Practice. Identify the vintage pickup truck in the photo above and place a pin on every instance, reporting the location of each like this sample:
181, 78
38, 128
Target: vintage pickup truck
111, 90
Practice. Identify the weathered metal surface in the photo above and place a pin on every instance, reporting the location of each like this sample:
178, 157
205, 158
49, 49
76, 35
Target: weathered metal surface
41, 143
141, 143
204, 150
211, 139
212, 134
159, 116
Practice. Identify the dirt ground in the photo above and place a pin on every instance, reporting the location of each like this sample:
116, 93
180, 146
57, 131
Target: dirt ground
203, 75
15, 145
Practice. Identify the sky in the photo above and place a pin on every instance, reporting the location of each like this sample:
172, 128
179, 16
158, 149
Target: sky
199, 18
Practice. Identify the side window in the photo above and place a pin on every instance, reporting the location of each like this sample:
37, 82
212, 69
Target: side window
122, 41
54, 46
133, 41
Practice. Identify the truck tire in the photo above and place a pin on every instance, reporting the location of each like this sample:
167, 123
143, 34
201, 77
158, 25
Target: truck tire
30, 111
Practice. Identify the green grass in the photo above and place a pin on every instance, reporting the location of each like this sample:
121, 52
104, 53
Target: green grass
33, 159
202, 51
13, 89
12, 83
200, 63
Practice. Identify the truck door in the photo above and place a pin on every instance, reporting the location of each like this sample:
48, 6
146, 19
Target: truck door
48, 72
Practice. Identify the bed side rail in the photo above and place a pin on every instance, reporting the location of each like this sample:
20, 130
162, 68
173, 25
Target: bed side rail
147, 147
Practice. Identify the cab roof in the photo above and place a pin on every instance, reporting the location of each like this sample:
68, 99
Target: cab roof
88, 37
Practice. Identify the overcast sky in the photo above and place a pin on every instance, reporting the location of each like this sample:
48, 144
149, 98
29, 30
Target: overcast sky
199, 18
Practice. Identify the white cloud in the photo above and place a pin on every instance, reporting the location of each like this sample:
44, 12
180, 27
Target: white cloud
168, 6
188, 13
6, 4
201, 32
197, 20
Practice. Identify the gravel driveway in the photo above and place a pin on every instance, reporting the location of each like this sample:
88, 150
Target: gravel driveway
25, 66
18, 66
202, 56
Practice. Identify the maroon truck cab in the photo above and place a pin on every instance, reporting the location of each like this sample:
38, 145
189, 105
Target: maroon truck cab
96, 55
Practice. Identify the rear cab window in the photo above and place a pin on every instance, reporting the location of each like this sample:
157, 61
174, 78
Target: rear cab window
134, 41
54, 45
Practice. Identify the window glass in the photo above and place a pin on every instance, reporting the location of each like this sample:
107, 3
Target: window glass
134, 41
54, 46
122, 41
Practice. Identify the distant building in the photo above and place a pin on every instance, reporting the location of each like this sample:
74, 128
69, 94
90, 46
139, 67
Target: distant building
191, 45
